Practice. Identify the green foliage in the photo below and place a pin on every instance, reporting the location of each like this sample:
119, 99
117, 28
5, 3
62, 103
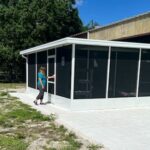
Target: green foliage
24, 24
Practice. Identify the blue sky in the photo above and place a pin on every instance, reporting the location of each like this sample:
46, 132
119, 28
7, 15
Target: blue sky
108, 11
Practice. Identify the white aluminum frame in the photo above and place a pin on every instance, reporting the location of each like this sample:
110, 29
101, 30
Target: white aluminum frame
73, 42
108, 71
72, 71
70, 41
55, 71
47, 71
138, 73
36, 69
52, 82
27, 69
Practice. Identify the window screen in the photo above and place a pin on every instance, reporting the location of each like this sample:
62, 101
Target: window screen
123, 72
144, 83
31, 71
51, 71
51, 52
90, 72
51, 88
42, 60
63, 71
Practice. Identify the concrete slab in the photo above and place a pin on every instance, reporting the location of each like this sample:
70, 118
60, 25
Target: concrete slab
126, 129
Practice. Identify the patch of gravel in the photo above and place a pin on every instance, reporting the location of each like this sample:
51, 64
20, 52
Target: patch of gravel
7, 130
37, 144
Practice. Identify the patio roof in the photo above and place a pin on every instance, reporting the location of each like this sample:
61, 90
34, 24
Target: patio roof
79, 41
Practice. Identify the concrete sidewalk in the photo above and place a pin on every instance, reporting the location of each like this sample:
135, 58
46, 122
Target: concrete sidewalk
127, 129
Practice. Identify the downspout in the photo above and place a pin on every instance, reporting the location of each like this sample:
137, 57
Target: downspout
24, 57
26, 70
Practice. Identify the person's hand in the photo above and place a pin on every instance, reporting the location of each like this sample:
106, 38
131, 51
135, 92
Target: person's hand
43, 88
51, 77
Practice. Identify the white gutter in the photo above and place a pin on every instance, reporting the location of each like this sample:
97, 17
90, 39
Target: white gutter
89, 42
24, 57
26, 70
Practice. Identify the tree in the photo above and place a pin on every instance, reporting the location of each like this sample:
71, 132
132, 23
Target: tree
91, 25
27, 23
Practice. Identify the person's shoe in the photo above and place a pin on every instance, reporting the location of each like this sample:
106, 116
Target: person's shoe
41, 103
35, 102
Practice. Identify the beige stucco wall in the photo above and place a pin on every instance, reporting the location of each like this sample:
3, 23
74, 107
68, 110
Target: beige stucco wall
128, 28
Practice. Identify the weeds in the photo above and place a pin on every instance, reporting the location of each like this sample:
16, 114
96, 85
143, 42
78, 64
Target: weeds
4, 94
95, 147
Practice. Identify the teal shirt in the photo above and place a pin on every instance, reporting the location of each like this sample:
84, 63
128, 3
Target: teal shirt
43, 78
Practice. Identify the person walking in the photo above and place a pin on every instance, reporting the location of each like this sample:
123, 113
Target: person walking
41, 84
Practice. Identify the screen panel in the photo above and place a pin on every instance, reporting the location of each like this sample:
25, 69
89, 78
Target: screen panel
51, 88
98, 72
90, 72
51, 68
31, 71
42, 61
63, 71
144, 83
51, 52
81, 84
123, 72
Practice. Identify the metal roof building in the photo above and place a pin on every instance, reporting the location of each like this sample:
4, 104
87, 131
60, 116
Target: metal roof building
135, 29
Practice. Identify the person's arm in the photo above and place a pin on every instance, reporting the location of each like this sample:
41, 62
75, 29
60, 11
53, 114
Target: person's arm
51, 77
41, 83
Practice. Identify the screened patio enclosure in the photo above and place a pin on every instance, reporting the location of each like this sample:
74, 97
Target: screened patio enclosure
91, 74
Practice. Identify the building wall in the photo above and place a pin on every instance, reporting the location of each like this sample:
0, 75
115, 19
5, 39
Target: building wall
83, 35
128, 28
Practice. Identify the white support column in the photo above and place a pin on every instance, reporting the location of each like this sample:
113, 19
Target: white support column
72, 71
55, 72
27, 72
47, 71
108, 70
36, 69
138, 73
88, 35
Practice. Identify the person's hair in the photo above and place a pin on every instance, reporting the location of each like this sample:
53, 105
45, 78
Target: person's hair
43, 69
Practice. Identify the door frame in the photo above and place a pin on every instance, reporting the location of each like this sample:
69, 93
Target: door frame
51, 57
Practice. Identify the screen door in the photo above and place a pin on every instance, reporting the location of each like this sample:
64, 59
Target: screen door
51, 71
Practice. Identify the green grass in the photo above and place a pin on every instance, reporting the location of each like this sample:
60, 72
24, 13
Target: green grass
12, 143
4, 94
15, 116
22, 115
11, 85
19, 113
23, 122
95, 147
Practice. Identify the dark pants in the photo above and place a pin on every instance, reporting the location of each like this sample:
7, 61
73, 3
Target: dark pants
41, 93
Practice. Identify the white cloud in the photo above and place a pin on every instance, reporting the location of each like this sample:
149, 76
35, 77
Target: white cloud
79, 2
